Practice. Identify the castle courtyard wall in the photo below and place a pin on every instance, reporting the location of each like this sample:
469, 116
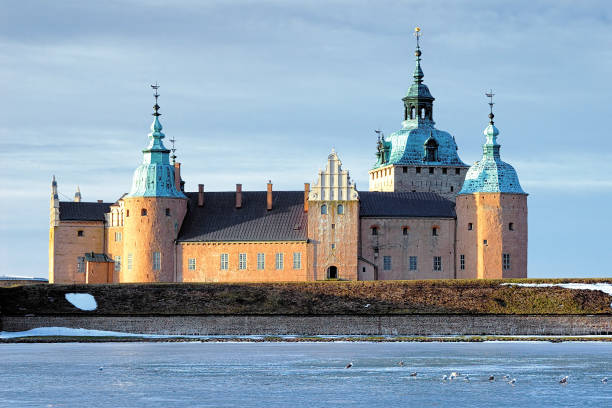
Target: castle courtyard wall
207, 257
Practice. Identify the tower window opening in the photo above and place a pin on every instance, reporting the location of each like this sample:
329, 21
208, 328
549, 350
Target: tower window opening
511, 226
374, 230
324, 209
418, 170
143, 212
412, 112
470, 226
505, 261
457, 171
405, 113
404, 230
431, 169
422, 113
434, 231
452, 189
340, 209
167, 212
485, 242
444, 170
79, 233
127, 213
405, 169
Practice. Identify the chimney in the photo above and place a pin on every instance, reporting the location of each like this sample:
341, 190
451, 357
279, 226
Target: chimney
306, 191
100, 201
177, 176
200, 195
269, 196
77, 195
238, 195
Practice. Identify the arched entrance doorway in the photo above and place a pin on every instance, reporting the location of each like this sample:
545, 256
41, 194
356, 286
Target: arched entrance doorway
332, 272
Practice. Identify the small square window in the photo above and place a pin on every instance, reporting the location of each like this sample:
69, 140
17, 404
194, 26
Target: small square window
333, 226
470, 226
333, 246
511, 226
444, 171
431, 170
434, 231
484, 242
418, 170
143, 212
374, 230
363, 269
452, 189
79, 233
167, 212
457, 171
405, 169
404, 230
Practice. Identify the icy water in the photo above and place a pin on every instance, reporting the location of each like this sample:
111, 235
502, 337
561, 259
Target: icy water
303, 374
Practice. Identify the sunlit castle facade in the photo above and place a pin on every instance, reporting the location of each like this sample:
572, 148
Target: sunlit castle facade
427, 215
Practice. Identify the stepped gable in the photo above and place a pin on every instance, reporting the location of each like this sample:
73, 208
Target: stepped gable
408, 204
219, 219
82, 211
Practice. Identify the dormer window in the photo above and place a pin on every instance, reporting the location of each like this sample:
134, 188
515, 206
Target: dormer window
431, 150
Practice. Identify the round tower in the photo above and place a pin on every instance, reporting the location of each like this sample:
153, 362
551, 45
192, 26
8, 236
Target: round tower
491, 217
154, 211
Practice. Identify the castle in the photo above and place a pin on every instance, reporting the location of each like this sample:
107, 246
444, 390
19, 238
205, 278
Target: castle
427, 215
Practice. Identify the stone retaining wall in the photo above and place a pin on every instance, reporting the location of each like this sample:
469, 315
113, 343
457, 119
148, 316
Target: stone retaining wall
327, 325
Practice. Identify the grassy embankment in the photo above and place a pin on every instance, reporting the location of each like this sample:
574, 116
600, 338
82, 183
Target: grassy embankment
473, 297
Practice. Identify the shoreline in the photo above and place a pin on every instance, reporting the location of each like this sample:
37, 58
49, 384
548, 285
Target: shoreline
300, 339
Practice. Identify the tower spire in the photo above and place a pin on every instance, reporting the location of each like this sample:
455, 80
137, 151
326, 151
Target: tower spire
490, 95
418, 72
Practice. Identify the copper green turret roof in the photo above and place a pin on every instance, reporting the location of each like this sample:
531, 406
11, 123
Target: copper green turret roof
491, 174
155, 176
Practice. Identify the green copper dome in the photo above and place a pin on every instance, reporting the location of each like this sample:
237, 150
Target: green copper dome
155, 176
491, 174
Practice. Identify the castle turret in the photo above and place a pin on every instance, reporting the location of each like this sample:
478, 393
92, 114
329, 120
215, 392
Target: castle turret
418, 157
491, 217
333, 222
153, 213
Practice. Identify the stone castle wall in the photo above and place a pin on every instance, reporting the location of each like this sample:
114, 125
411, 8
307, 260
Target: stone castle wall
421, 325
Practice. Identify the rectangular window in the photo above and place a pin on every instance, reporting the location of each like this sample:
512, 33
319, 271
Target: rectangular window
130, 260
242, 261
191, 264
117, 236
79, 233
387, 263
431, 170
444, 171
413, 263
457, 171
261, 261
462, 262
117, 263
297, 260
81, 264
470, 226
224, 262
156, 261
437, 263
511, 226
280, 261
405, 169
506, 261
434, 231
418, 170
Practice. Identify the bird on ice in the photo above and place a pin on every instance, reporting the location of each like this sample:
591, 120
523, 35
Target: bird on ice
413, 374
491, 378
453, 375
101, 368
349, 365
466, 378
563, 380
401, 364
444, 377
604, 380
512, 381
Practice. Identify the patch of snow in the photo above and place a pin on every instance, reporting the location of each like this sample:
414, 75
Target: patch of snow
67, 331
83, 301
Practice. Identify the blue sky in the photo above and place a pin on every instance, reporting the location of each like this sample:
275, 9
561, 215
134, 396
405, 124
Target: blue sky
258, 90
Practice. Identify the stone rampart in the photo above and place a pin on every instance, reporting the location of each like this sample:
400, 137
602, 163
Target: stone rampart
419, 324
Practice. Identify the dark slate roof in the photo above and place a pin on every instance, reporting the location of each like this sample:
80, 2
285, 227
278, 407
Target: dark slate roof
219, 220
82, 211
384, 204
93, 257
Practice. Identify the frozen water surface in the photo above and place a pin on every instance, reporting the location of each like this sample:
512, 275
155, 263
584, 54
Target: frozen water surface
303, 374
